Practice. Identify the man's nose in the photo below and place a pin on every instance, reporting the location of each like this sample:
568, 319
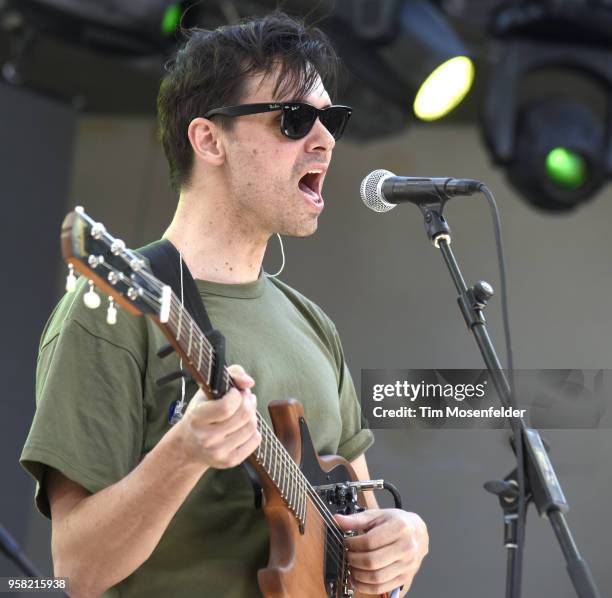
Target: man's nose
319, 137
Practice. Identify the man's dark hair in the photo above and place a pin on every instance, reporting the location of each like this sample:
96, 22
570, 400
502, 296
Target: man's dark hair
212, 67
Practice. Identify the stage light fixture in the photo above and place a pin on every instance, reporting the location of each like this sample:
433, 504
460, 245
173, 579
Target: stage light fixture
406, 54
558, 162
435, 59
555, 149
134, 28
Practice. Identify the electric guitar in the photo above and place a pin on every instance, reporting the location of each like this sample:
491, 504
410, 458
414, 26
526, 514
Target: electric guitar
302, 490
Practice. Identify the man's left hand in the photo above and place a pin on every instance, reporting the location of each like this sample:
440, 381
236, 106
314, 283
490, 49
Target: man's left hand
388, 551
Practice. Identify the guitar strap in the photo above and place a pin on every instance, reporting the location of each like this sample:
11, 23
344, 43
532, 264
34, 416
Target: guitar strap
165, 261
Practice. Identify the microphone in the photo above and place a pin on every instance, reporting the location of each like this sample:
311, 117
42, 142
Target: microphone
381, 190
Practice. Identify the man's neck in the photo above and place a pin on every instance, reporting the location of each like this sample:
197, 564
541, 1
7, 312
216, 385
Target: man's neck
215, 245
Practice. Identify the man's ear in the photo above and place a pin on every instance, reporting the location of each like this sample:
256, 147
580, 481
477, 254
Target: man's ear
206, 140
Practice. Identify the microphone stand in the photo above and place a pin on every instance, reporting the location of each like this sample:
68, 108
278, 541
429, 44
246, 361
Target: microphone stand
13, 552
541, 485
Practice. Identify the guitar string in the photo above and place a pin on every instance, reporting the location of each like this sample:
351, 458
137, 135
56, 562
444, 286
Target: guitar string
184, 316
128, 256
210, 354
337, 548
293, 470
177, 308
290, 472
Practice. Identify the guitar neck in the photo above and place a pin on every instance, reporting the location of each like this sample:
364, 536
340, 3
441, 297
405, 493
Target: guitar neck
194, 346
271, 455
123, 275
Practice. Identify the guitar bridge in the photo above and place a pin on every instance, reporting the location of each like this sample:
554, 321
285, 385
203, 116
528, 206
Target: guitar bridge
341, 497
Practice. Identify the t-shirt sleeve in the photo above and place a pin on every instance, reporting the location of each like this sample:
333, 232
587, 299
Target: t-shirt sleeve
89, 410
356, 437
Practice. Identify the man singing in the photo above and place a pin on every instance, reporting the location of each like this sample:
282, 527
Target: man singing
140, 508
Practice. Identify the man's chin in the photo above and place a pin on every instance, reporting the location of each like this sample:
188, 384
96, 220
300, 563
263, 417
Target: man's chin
307, 233
303, 229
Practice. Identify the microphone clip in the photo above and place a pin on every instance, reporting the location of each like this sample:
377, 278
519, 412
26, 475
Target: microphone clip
436, 227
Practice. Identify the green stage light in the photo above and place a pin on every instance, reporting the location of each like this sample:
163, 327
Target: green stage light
559, 153
444, 88
566, 168
171, 20
547, 114
121, 29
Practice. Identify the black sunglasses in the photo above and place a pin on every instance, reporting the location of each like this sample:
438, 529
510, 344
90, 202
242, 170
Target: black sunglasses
297, 118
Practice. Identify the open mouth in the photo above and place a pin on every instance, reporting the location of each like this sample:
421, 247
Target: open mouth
310, 184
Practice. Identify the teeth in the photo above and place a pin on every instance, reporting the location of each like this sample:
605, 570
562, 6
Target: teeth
314, 172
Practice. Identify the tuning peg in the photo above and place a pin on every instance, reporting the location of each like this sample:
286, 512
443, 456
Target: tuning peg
70, 280
91, 298
98, 230
117, 246
111, 312
95, 260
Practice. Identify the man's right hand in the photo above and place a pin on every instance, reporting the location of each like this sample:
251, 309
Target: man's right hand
134, 512
222, 433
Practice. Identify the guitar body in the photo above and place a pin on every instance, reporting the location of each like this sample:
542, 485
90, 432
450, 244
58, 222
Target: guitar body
298, 564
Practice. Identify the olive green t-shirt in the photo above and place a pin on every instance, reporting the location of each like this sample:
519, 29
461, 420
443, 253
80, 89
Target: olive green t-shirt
99, 411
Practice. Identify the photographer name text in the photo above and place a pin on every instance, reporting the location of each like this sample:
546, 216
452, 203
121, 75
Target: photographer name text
447, 411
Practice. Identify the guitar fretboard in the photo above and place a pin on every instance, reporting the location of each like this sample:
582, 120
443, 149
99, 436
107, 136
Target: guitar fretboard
270, 454
122, 274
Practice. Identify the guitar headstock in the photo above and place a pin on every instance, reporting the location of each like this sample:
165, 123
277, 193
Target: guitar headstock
119, 272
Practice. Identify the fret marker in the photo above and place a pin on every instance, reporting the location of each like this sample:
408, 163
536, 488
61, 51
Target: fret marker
164, 314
